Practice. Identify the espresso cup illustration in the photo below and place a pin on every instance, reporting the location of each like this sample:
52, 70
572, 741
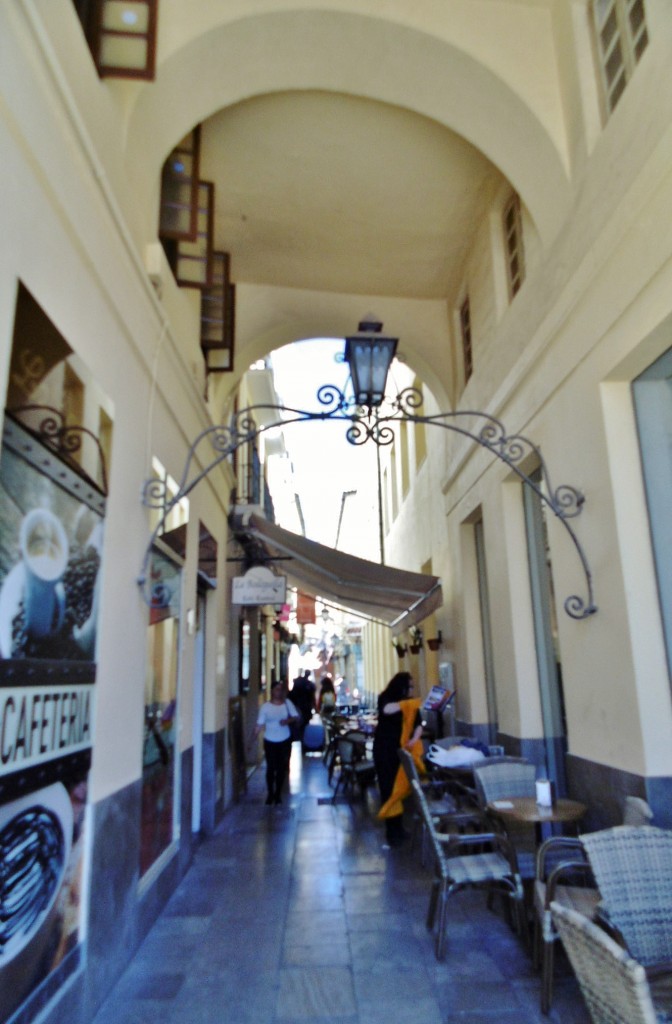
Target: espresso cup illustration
44, 549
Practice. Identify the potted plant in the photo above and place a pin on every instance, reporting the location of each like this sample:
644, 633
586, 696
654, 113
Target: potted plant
435, 642
416, 641
400, 648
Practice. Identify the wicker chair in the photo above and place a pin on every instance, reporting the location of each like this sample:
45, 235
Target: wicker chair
456, 868
563, 876
633, 870
506, 779
614, 986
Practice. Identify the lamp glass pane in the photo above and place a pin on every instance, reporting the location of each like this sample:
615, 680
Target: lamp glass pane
369, 360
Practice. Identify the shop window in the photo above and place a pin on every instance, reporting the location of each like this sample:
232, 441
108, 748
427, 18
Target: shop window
465, 333
513, 241
622, 37
159, 762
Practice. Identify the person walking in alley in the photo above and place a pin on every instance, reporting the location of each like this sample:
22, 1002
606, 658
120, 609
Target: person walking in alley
275, 717
303, 698
398, 726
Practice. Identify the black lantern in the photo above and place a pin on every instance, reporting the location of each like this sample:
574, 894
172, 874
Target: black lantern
369, 355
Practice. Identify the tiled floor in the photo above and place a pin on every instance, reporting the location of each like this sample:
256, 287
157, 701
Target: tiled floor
297, 913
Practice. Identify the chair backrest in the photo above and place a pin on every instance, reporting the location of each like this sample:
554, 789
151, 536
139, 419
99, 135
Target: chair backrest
633, 871
636, 811
505, 778
409, 765
347, 751
358, 740
426, 814
614, 985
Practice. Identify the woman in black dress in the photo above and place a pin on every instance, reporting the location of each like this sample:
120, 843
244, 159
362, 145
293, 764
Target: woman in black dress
386, 744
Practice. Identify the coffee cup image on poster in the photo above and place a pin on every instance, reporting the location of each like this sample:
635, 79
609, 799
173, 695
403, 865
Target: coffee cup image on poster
50, 557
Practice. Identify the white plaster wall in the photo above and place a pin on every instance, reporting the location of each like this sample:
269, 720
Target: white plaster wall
594, 312
71, 253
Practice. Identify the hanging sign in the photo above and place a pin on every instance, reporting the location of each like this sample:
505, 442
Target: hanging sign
259, 586
305, 609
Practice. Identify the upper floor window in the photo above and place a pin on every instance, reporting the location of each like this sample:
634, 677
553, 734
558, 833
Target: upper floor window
622, 37
465, 332
121, 35
513, 240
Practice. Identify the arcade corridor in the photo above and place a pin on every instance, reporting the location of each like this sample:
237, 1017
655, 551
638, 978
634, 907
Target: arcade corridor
295, 913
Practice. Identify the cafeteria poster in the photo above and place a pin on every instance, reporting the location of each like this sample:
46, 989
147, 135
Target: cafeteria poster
51, 537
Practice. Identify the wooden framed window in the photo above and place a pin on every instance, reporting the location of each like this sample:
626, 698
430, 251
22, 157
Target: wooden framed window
121, 35
191, 261
465, 332
622, 37
218, 317
178, 217
513, 241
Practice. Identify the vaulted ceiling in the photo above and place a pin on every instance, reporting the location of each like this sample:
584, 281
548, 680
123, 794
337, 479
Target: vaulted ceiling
355, 148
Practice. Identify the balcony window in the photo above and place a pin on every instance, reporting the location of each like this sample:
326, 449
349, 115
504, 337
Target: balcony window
121, 35
622, 37
218, 317
179, 189
513, 241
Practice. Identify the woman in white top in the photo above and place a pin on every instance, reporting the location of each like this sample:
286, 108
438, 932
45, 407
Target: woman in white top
275, 717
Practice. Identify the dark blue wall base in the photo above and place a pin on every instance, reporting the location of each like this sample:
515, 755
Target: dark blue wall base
604, 790
212, 781
119, 916
601, 788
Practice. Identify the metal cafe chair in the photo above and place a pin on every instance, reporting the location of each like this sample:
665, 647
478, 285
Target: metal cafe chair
446, 814
614, 985
457, 867
355, 769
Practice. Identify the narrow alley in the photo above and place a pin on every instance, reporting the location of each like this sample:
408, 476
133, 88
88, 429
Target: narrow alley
297, 913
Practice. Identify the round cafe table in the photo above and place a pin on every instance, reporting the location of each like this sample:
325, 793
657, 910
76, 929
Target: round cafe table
525, 809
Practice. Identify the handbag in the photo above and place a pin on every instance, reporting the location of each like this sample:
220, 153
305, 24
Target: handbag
294, 725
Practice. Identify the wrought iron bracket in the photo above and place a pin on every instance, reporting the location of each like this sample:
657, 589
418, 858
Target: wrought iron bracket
215, 444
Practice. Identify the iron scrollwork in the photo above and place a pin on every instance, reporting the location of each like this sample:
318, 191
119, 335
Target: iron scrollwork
564, 501
64, 439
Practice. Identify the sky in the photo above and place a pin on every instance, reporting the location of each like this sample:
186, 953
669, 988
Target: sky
325, 463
